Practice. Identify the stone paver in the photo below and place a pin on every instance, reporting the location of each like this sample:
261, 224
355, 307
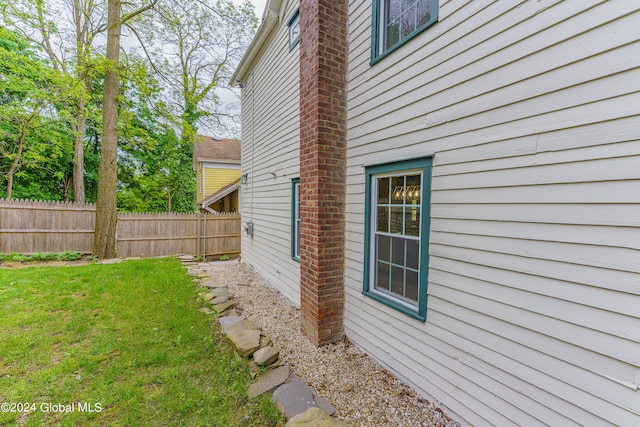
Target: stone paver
213, 284
222, 307
265, 342
208, 297
266, 356
268, 381
216, 292
277, 363
227, 321
196, 272
245, 324
246, 341
324, 404
222, 298
315, 417
293, 398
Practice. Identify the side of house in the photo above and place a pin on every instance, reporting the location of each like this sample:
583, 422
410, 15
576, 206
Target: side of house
523, 119
271, 146
217, 163
492, 204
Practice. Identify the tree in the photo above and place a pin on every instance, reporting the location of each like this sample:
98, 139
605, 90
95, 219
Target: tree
104, 245
148, 148
198, 46
67, 37
32, 131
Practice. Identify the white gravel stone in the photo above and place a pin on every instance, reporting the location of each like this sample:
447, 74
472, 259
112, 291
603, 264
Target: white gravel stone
363, 393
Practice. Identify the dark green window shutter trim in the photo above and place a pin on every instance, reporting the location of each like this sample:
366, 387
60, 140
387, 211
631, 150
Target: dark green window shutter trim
425, 165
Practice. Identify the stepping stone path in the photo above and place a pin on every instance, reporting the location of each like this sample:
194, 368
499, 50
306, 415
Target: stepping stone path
295, 399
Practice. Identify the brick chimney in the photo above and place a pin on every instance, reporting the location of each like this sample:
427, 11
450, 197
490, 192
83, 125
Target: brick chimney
323, 68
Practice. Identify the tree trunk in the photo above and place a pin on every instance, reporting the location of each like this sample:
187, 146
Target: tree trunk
78, 153
104, 245
68, 181
17, 159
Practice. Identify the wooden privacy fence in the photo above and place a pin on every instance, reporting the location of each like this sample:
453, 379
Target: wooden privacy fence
201, 234
30, 227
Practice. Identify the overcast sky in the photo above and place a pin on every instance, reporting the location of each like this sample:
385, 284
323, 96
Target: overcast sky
259, 4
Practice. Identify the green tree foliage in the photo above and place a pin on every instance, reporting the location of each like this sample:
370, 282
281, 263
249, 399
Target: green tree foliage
150, 164
194, 46
66, 31
52, 76
199, 43
33, 132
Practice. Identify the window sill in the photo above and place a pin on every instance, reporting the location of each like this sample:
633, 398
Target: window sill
395, 305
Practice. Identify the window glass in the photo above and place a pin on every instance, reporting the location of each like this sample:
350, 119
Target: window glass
295, 218
398, 20
294, 30
397, 234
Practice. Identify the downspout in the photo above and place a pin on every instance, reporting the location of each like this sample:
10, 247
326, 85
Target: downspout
253, 132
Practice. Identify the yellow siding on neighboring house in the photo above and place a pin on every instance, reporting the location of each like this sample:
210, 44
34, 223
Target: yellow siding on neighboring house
215, 179
199, 182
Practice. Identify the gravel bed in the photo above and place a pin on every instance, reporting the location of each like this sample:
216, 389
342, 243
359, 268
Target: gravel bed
364, 393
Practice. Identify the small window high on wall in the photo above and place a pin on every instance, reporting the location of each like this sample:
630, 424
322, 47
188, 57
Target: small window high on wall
294, 30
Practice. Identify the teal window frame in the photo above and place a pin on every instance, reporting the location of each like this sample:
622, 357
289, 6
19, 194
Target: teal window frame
295, 219
377, 38
295, 19
400, 168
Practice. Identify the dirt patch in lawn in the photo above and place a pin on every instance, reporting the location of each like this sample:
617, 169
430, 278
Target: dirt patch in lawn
16, 264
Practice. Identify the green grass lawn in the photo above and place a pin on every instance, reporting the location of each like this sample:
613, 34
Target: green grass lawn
125, 338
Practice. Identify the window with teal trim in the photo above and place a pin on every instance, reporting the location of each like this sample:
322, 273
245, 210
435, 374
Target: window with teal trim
396, 21
397, 216
295, 219
294, 30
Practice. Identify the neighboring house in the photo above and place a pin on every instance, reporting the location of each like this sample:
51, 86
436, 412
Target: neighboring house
217, 165
455, 186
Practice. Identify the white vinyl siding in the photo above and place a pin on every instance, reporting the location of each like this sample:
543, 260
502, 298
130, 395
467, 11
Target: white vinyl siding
270, 157
531, 112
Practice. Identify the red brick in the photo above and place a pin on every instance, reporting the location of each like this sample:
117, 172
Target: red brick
323, 51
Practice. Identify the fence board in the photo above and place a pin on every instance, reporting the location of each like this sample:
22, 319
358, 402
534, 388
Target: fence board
30, 227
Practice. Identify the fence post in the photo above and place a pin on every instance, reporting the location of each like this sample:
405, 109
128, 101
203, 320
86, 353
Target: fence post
204, 236
197, 235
